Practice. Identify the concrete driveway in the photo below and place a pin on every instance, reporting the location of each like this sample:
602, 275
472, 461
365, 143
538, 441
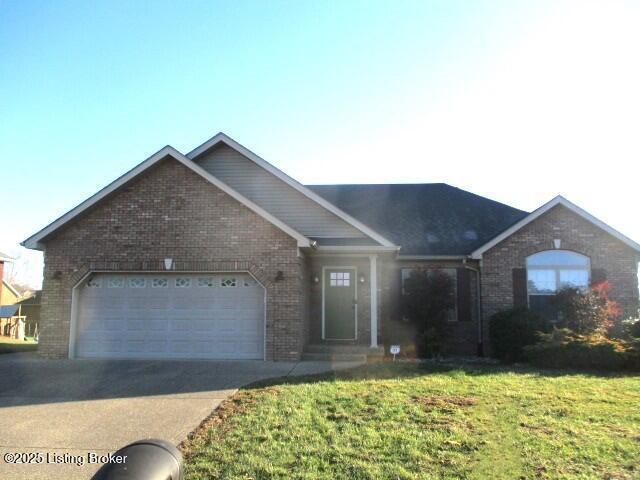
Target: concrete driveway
74, 408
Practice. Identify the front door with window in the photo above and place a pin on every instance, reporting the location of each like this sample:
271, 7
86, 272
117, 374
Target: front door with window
339, 304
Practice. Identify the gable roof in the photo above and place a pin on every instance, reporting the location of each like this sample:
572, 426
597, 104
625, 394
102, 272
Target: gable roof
34, 241
559, 200
309, 193
425, 219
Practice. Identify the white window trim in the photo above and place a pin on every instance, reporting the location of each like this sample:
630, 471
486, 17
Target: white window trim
556, 268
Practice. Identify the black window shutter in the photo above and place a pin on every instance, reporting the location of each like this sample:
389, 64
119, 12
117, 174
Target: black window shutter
399, 297
464, 295
598, 275
519, 277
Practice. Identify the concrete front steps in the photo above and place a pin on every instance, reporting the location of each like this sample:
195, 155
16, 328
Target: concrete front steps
342, 353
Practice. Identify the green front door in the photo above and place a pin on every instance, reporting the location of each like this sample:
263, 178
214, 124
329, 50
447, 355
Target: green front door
339, 304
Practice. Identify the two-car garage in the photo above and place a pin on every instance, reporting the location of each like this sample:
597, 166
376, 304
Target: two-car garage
201, 316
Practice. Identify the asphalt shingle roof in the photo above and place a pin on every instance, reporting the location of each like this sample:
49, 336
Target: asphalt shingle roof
424, 219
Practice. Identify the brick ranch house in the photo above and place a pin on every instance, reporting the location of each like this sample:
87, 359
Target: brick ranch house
218, 254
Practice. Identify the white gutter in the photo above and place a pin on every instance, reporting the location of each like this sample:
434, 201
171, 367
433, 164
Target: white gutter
356, 249
432, 257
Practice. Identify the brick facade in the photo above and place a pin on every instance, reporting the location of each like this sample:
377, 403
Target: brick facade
172, 212
577, 234
462, 335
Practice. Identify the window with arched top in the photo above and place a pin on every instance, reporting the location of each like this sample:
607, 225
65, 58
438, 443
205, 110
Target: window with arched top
549, 272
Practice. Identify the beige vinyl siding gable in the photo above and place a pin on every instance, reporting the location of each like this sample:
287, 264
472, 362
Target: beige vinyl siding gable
274, 195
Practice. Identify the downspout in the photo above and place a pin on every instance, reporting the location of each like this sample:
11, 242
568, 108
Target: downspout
479, 305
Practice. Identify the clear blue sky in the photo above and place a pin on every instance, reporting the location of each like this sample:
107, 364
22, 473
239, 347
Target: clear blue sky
518, 101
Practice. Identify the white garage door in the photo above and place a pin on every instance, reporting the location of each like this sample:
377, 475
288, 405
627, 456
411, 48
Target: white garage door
171, 316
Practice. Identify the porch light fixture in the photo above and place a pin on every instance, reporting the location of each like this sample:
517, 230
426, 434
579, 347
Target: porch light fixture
168, 263
362, 279
557, 243
279, 276
315, 279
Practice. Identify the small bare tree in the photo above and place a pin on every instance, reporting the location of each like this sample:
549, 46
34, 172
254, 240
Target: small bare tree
14, 274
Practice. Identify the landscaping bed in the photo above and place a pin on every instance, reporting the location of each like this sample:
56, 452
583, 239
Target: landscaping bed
409, 421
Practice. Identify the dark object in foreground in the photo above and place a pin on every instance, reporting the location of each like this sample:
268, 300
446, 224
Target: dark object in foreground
145, 460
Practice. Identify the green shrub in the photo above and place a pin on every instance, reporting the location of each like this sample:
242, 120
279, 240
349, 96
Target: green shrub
631, 328
633, 355
589, 311
511, 330
563, 348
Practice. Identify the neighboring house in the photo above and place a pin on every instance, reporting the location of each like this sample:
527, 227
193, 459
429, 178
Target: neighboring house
9, 295
30, 308
19, 313
218, 254
11, 321
4, 258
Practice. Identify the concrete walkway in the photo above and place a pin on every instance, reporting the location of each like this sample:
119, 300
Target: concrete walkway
73, 408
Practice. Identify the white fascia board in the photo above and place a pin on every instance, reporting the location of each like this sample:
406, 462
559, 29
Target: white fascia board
33, 242
6, 259
559, 200
221, 137
432, 257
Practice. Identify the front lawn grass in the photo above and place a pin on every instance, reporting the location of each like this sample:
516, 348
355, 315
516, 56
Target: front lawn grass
404, 421
10, 345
